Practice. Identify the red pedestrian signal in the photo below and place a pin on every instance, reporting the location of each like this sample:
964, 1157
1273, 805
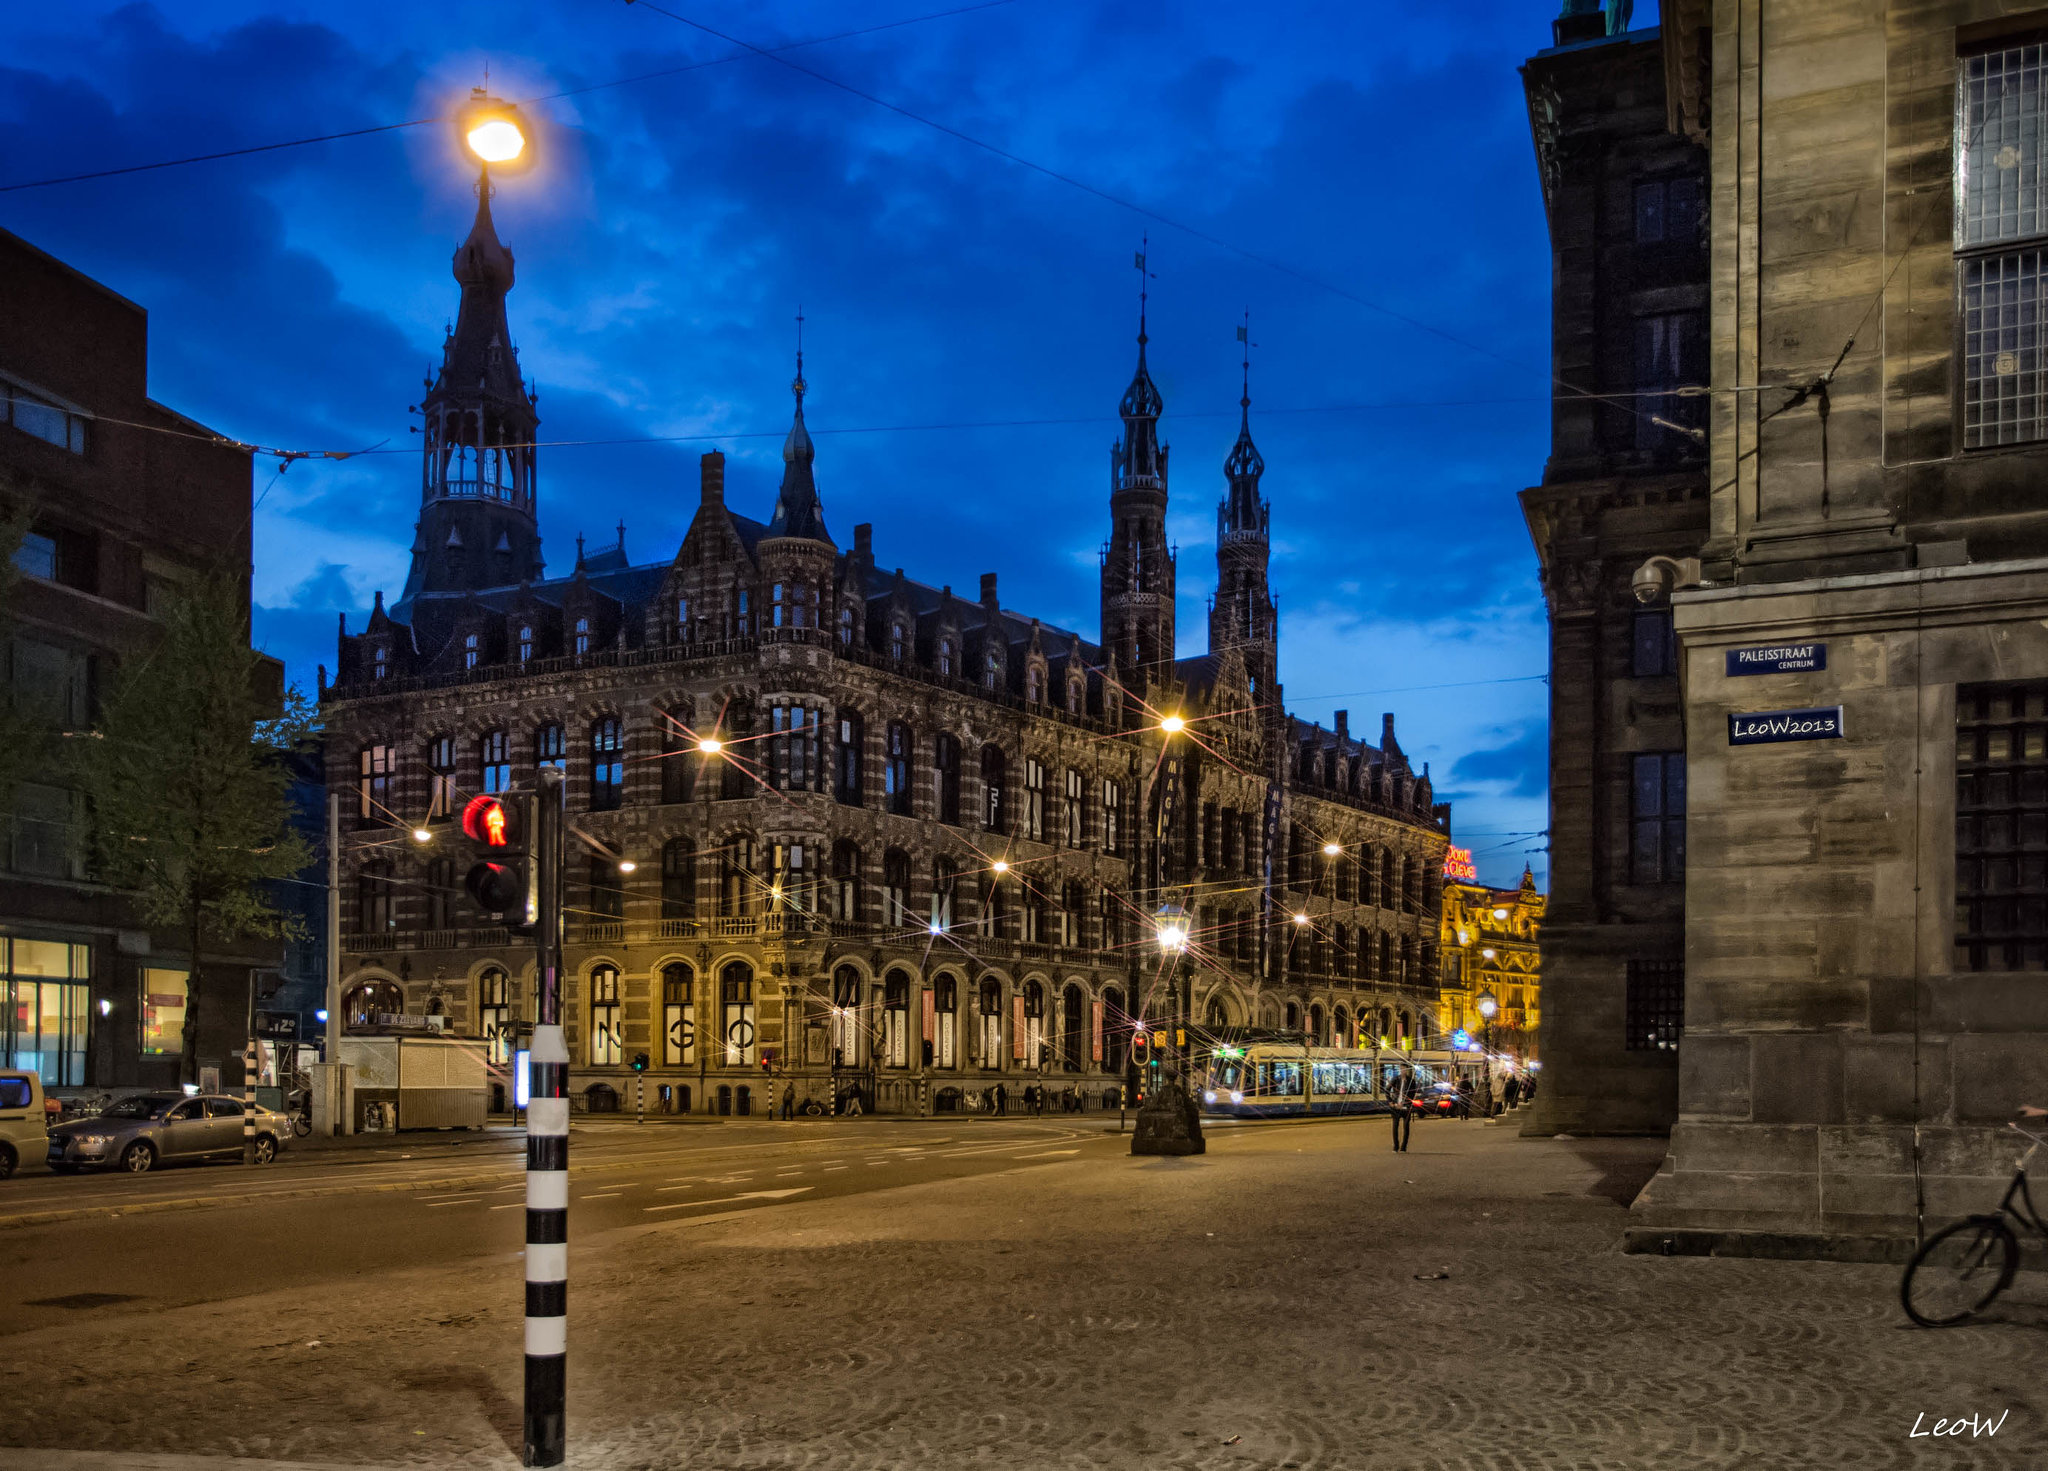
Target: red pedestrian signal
490, 821
504, 881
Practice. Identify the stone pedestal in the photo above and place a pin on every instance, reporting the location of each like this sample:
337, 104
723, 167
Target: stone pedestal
1169, 1123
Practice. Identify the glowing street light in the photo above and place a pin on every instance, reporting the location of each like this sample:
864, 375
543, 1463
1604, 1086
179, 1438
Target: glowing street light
627, 865
1170, 925
1331, 850
494, 131
1173, 725
710, 746
1500, 914
1488, 1006
421, 835
1170, 1118
1001, 865
1301, 919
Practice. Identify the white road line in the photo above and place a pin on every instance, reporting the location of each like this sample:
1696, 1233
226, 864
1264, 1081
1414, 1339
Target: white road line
603, 1195
730, 1199
515, 1205
830, 1168
1045, 1154
434, 1205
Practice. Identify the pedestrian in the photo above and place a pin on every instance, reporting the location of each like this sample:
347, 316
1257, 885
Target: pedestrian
1401, 1109
1002, 1099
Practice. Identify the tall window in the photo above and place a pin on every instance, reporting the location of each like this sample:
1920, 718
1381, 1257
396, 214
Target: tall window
472, 650
989, 1015
1112, 907
1073, 906
736, 877
1112, 817
1030, 1046
790, 879
1034, 916
1034, 684
1654, 1011
778, 615
679, 760
607, 764
441, 799
1074, 696
678, 879
1033, 825
946, 1021
678, 1015
1668, 212
898, 645
992, 671
1657, 805
494, 1013
525, 643
377, 766
946, 656
896, 769
896, 1020
896, 887
846, 903
846, 1019
682, 628
604, 1016
793, 764
734, 780
1075, 812
494, 757
582, 637
1655, 648
993, 919
380, 665
2001, 242
846, 628
946, 773
848, 772
373, 899
945, 879
745, 612
2001, 828
548, 748
1670, 352
992, 765
440, 885
607, 889
736, 1012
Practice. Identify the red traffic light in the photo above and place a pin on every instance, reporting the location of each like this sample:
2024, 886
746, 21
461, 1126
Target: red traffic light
487, 820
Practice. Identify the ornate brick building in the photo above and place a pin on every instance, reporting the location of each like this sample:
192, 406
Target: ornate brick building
927, 851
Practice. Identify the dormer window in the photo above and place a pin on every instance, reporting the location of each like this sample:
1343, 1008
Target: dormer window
846, 628
992, 672
1073, 697
381, 665
470, 650
946, 657
683, 617
582, 636
1034, 689
525, 642
896, 640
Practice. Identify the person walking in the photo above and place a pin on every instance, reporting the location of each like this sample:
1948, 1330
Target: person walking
1401, 1100
1002, 1100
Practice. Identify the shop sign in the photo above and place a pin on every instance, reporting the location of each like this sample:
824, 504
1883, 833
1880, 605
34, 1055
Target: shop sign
1458, 864
277, 1026
1778, 659
1766, 727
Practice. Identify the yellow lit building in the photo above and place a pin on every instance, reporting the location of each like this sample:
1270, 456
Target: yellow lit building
1489, 944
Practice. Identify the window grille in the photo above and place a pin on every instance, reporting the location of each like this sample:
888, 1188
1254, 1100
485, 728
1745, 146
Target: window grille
1655, 1009
2001, 920
2000, 206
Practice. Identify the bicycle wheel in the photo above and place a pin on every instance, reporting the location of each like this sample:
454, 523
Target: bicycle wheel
1959, 1271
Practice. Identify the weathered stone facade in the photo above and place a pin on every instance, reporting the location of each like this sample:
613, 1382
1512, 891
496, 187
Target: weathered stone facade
1623, 195
925, 853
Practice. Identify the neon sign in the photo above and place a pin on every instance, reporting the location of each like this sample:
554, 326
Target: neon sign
1458, 864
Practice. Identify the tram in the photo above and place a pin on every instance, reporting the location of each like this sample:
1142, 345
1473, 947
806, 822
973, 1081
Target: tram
1271, 1075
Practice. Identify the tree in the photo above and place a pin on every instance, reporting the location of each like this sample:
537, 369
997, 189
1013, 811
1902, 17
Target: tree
187, 786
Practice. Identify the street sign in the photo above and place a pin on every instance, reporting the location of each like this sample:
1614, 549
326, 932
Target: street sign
1767, 727
1778, 659
277, 1026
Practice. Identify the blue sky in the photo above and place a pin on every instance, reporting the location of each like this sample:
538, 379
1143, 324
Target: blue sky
673, 226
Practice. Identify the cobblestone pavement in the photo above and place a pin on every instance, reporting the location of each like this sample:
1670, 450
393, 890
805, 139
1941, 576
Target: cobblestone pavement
1299, 1298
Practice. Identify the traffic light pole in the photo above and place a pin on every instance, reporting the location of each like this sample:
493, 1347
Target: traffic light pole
547, 1155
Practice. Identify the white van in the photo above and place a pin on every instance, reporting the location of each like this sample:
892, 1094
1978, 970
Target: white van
24, 1132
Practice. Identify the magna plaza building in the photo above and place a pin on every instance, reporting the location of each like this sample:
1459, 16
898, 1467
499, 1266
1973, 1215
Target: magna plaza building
929, 852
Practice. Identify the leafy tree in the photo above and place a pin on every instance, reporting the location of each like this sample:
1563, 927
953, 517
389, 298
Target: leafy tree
188, 791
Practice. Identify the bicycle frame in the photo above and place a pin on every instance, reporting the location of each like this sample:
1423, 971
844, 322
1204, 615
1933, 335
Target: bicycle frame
2019, 1200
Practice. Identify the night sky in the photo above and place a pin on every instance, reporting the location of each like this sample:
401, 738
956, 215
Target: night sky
969, 322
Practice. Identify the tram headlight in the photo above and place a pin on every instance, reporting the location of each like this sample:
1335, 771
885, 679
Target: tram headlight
1235, 1096
1209, 1095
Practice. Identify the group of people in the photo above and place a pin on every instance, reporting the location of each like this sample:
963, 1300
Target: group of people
1515, 1090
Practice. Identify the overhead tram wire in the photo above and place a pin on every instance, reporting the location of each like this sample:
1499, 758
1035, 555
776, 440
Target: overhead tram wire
421, 122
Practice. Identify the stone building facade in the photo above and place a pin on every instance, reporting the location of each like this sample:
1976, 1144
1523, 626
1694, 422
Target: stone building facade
1626, 479
1491, 945
837, 832
1863, 658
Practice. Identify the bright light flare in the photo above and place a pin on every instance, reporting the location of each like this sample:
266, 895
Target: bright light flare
1301, 919
1500, 914
627, 865
496, 140
1001, 865
1173, 725
710, 746
421, 835
1331, 850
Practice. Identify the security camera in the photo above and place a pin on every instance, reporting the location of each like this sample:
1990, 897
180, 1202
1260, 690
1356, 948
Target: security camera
1661, 575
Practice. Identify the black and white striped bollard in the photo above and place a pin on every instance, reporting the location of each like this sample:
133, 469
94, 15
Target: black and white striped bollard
547, 1156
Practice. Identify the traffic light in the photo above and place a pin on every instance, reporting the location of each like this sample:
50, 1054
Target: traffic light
639, 1062
503, 882
767, 1059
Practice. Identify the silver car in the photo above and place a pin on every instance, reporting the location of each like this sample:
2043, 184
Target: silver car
144, 1130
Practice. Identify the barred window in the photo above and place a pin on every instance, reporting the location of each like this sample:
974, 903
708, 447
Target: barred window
1657, 832
1655, 1010
2001, 827
2001, 203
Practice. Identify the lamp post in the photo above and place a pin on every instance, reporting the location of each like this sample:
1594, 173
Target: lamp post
1488, 1006
1169, 1122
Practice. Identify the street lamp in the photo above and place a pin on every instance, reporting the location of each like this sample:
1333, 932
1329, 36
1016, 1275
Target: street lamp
1169, 1122
710, 746
495, 132
1488, 1007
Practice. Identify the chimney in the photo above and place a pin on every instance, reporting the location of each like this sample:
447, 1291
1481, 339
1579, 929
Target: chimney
988, 588
1343, 725
864, 541
1387, 731
711, 478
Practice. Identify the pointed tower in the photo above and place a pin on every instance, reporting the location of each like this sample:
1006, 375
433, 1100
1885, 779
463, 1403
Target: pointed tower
1242, 617
797, 510
797, 556
477, 526
1137, 564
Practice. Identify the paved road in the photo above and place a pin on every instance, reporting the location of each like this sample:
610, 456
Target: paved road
974, 1295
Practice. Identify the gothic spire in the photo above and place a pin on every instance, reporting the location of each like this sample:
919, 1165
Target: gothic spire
1242, 509
797, 510
1140, 461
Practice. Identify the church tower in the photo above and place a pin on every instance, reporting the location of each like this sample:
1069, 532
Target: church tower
1137, 564
477, 527
1242, 616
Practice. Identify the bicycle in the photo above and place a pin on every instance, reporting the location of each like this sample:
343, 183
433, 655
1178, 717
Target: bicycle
1962, 1268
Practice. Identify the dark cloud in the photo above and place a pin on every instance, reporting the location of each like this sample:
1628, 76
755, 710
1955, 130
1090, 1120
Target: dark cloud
1518, 768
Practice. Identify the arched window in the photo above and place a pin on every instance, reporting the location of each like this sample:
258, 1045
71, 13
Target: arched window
678, 1015
992, 773
1073, 1028
1340, 1028
736, 1013
1293, 1022
989, 1016
1115, 1030
369, 1000
1316, 1033
607, 764
736, 877
1031, 1047
494, 1013
377, 770
896, 769
604, 1016
896, 888
846, 903
896, 1019
494, 759
946, 771
1217, 1017
846, 1025
946, 1020
678, 879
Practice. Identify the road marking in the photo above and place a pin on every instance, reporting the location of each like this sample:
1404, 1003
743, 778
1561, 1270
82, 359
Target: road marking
603, 1195
782, 1174
515, 1205
1045, 1154
730, 1199
434, 1205
830, 1168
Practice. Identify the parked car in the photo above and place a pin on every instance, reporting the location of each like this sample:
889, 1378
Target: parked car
23, 1128
143, 1130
